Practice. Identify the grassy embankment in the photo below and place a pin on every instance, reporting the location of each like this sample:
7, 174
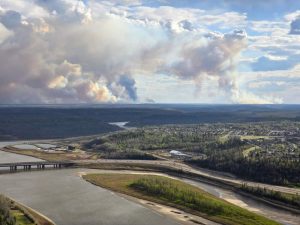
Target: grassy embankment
13, 213
177, 194
57, 156
77, 155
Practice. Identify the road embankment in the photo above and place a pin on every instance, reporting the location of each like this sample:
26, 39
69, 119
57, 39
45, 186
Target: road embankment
179, 172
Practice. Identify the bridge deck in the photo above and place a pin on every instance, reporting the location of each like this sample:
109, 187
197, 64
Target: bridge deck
46, 163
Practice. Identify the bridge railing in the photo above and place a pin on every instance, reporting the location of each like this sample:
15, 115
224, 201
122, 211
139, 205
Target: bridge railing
38, 165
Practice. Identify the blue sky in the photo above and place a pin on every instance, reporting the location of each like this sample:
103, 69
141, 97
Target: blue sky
137, 51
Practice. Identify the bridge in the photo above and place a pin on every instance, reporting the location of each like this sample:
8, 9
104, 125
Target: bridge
36, 165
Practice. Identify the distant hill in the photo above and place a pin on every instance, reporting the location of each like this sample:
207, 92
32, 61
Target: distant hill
59, 121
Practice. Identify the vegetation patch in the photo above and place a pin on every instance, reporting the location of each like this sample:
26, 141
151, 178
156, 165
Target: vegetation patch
180, 195
14, 213
247, 151
10, 214
267, 152
253, 137
289, 199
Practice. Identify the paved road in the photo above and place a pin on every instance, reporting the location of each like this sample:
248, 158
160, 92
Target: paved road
172, 164
202, 172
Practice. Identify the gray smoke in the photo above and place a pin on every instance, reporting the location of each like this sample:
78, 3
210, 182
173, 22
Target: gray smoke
70, 55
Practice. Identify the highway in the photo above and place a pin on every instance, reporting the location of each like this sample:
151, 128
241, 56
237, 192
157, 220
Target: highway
198, 171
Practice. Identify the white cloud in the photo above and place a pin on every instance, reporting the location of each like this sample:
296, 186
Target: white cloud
275, 28
292, 16
28, 8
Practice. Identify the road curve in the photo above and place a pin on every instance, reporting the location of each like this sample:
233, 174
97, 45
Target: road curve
201, 172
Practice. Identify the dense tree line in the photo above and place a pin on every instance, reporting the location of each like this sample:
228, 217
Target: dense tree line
147, 139
270, 161
167, 189
265, 169
133, 154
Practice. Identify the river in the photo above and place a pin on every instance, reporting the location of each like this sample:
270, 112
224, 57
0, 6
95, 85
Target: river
64, 197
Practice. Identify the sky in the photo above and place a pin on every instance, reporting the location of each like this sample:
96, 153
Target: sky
149, 51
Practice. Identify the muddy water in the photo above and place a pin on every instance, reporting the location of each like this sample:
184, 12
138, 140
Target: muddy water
64, 197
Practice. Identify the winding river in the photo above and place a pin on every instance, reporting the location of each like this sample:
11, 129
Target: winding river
64, 197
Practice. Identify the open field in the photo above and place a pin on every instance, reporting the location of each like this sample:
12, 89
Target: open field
177, 194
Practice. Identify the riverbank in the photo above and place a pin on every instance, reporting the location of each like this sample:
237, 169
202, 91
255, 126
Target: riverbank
177, 194
179, 172
23, 215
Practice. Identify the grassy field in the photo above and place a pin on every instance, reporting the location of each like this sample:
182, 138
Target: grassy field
254, 137
177, 194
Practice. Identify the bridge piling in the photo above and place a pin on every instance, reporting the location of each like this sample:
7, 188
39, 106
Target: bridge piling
37, 165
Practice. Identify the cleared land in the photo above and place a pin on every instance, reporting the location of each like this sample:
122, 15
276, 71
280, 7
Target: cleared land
180, 195
54, 156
